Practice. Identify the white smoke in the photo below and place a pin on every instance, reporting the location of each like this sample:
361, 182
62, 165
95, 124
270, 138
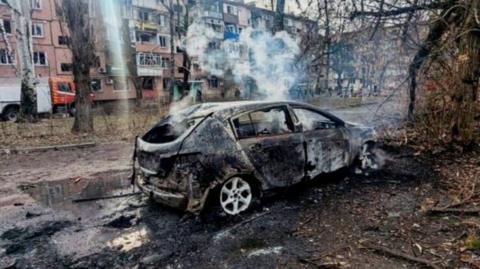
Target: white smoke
267, 59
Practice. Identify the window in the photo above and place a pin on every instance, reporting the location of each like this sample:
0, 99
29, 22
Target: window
36, 4
161, 20
213, 45
165, 62
146, 37
149, 59
213, 82
312, 120
165, 82
64, 87
231, 10
143, 15
244, 127
64, 67
7, 25
231, 28
39, 58
148, 83
63, 40
162, 40
266, 122
6, 58
96, 85
37, 29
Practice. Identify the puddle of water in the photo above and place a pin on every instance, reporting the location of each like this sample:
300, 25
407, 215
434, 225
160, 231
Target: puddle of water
63, 193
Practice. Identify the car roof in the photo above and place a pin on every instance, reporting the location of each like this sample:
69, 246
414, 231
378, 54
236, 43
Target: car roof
229, 109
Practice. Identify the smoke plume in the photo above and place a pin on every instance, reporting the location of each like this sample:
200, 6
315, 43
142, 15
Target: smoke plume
269, 60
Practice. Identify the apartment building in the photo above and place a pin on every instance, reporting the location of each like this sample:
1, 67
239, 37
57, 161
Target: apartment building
51, 55
148, 23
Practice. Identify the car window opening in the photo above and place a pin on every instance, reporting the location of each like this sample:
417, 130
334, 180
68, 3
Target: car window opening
266, 122
169, 130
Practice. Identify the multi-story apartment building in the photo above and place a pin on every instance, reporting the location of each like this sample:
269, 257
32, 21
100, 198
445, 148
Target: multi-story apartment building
148, 23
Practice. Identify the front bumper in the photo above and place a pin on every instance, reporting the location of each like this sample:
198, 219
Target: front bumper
175, 200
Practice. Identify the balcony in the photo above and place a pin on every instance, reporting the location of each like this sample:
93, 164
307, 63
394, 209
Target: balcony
152, 71
213, 14
231, 36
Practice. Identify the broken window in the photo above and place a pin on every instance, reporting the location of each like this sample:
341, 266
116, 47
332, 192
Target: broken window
148, 83
39, 58
7, 25
266, 122
66, 68
6, 58
96, 85
37, 29
312, 120
244, 127
63, 40
146, 37
170, 129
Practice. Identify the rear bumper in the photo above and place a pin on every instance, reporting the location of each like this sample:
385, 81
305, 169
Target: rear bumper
175, 200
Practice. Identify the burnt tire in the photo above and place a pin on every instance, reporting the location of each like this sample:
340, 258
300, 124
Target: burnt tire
11, 114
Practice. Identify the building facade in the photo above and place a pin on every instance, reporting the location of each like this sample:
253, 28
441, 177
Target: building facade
148, 26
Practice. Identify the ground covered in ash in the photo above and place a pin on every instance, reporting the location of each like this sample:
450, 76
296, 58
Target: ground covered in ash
334, 222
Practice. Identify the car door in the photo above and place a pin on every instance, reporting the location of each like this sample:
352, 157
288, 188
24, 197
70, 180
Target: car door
270, 141
326, 145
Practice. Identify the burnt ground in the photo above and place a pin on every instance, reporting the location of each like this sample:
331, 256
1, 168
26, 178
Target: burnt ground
325, 224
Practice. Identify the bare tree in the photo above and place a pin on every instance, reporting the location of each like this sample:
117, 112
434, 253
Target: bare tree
170, 7
21, 13
279, 16
130, 56
452, 24
76, 14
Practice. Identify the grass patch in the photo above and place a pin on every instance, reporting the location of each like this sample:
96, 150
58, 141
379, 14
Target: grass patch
57, 131
472, 242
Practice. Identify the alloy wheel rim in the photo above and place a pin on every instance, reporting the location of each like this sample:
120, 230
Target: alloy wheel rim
235, 196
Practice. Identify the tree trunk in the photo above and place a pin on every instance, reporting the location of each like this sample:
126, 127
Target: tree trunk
83, 104
435, 34
21, 11
279, 17
327, 41
172, 49
130, 53
76, 13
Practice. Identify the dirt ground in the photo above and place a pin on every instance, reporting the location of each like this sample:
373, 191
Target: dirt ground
330, 223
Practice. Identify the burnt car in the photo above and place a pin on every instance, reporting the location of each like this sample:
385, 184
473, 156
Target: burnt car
233, 152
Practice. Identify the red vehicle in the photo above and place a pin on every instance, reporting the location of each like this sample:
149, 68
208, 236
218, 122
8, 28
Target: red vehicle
53, 95
63, 94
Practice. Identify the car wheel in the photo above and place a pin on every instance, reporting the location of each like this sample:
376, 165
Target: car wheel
11, 114
236, 196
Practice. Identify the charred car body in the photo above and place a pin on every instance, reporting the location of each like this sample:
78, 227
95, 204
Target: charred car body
237, 150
